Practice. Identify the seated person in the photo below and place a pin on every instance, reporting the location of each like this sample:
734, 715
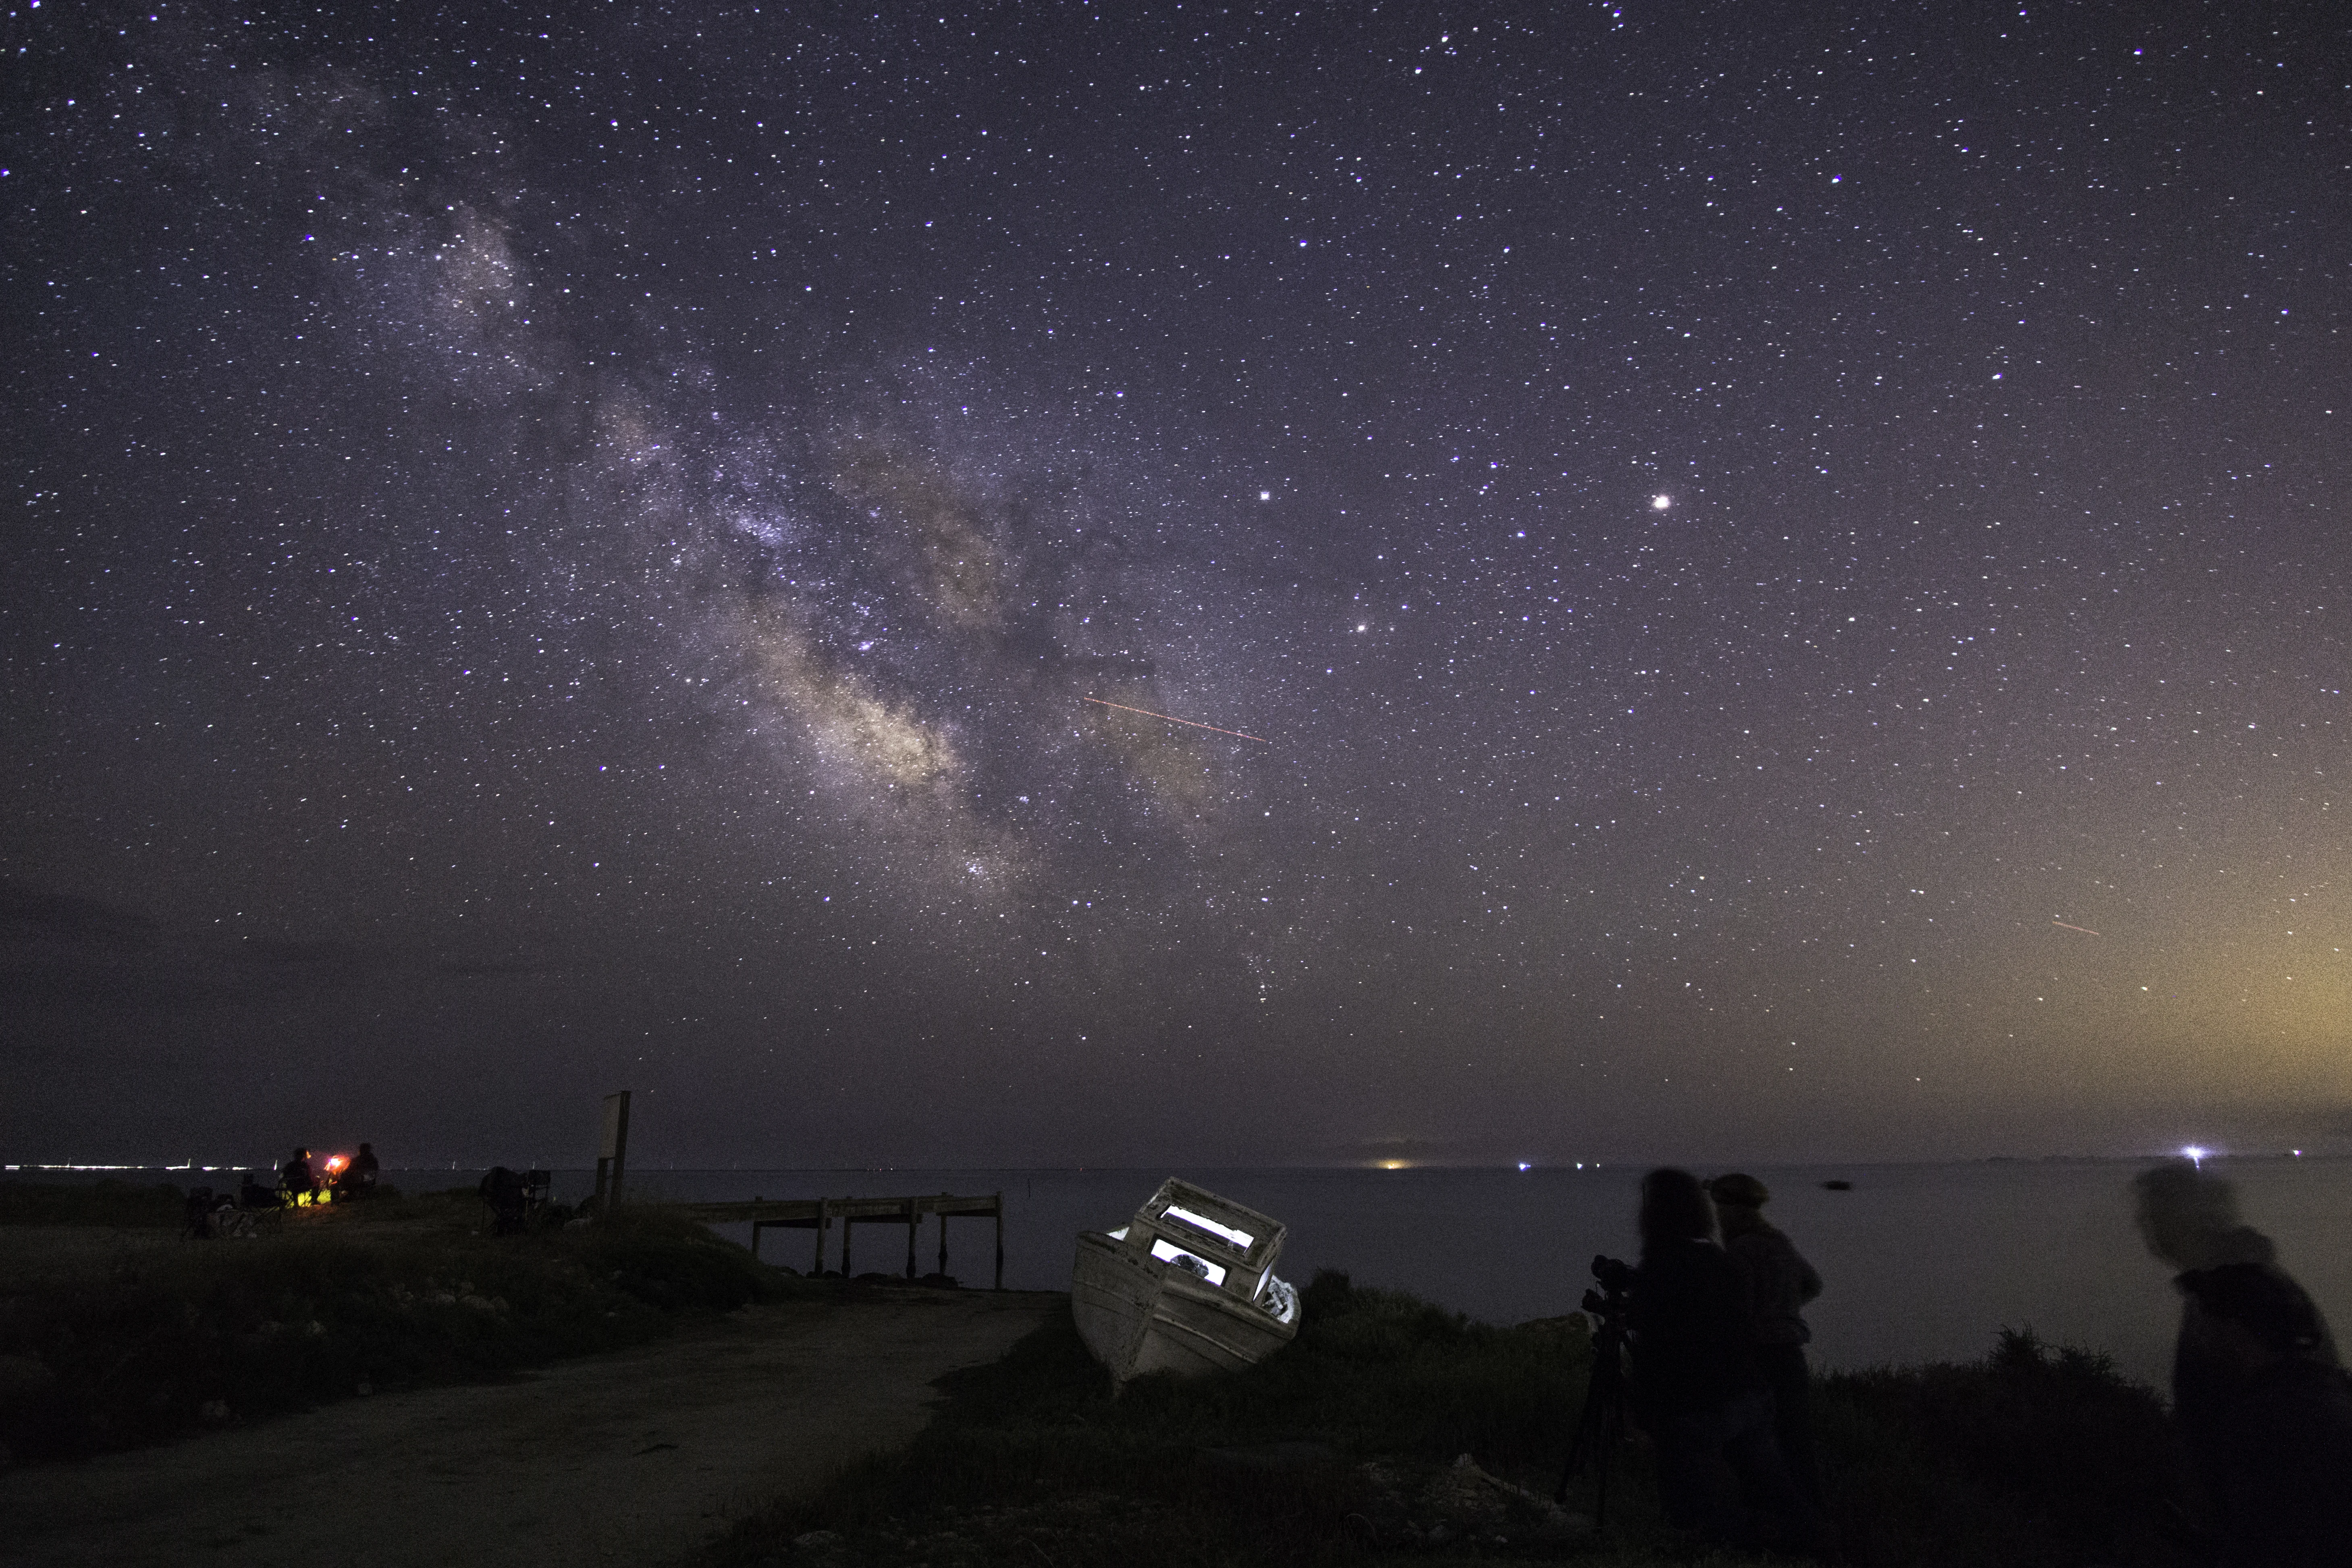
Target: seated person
197, 1212
252, 1195
508, 1193
358, 1179
295, 1180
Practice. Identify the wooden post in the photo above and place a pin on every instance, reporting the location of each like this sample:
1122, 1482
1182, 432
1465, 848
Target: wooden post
823, 1220
943, 1239
613, 1155
848, 1224
1000, 1241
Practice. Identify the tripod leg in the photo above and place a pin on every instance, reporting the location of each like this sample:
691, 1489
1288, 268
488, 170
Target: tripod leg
1608, 1437
1586, 1420
1575, 1456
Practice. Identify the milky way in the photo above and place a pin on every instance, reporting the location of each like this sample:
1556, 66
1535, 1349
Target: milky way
557, 551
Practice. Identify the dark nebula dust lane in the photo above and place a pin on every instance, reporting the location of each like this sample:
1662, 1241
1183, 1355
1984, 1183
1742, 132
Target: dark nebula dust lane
1068, 585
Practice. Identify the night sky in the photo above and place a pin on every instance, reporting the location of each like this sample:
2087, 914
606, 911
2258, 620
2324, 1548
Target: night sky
551, 550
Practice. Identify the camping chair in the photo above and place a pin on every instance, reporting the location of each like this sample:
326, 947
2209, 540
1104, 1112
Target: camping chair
516, 1199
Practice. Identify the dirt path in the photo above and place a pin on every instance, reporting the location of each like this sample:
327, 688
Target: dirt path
638, 1458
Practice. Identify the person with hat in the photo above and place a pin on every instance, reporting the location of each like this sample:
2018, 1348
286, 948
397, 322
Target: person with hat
1781, 1284
1697, 1389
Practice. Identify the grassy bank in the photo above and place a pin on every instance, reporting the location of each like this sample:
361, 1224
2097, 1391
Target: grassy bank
1345, 1449
170, 1338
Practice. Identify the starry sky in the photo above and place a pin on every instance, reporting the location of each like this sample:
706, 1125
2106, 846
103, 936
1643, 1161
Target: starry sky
1769, 580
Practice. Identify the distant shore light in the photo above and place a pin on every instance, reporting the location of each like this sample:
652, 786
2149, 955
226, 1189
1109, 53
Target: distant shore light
2195, 1155
1660, 503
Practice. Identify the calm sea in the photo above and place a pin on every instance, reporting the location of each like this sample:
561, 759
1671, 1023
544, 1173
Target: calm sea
1923, 1262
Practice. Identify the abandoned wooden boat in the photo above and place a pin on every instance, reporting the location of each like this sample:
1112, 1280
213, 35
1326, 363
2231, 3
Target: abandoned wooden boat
1186, 1287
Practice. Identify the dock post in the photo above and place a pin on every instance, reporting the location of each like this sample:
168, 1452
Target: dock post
848, 1224
914, 1219
612, 1153
1000, 1241
817, 1271
943, 1239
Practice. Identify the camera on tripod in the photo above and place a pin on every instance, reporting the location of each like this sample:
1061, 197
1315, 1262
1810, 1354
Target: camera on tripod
1616, 1278
1602, 1427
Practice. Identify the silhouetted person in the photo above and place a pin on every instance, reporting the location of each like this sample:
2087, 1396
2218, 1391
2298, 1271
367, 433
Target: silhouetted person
508, 1197
198, 1210
2263, 1405
252, 1195
295, 1180
2278, 1444
1779, 1284
1697, 1386
359, 1177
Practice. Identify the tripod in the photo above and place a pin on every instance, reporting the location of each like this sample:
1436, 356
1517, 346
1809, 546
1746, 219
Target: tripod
1601, 1427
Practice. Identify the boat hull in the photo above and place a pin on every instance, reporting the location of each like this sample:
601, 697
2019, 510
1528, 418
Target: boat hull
1139, 1316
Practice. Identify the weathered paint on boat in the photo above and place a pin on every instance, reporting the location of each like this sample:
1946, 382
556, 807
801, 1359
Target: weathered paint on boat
1207, 1303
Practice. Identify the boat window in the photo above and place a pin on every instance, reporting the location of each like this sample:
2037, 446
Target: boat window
1169, 1252
1240, 1238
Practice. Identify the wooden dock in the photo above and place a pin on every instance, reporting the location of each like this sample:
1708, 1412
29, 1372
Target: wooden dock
818, 1215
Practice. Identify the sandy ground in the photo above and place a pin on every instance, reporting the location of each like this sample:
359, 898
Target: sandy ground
638, 1458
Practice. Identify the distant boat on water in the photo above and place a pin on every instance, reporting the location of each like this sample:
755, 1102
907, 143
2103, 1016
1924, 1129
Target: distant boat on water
1186, 1287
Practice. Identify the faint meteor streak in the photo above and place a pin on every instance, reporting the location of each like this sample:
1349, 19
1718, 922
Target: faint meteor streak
2086, 931
1147, 713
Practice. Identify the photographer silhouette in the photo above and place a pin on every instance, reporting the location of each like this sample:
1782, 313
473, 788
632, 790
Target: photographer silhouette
1696, 1385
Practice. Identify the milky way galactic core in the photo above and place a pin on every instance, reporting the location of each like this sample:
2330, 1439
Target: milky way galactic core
1074, 585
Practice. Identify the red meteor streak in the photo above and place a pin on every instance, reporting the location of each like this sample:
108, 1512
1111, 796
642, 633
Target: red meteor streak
2086, 931
1147, 713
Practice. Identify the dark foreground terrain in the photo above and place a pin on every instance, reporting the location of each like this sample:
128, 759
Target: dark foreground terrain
116, 1331
1392, 1431
633, 1457
390, 1384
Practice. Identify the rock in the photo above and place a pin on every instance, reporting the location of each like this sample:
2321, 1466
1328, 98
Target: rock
815, 1540
1559, 1526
